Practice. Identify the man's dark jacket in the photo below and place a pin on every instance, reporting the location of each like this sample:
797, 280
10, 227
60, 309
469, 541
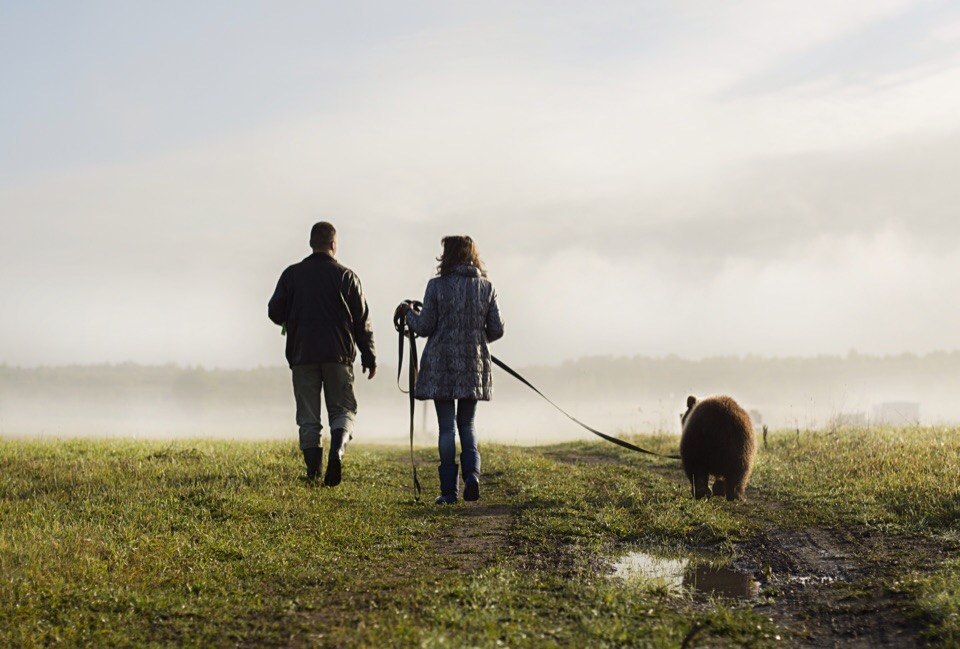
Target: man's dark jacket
323, 307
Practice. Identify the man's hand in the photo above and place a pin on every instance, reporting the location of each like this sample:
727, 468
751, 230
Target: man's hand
371, 370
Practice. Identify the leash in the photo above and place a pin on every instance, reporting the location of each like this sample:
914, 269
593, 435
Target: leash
400, 323
413, 368
610, 438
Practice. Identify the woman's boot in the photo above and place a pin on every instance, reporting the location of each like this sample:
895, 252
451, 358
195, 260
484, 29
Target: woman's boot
471, 488
471, 482
448, 484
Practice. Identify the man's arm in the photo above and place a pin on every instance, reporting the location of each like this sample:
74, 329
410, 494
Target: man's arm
362, 329
278, 307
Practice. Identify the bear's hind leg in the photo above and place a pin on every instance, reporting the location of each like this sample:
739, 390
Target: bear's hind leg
719, 487
700, 488
735, 489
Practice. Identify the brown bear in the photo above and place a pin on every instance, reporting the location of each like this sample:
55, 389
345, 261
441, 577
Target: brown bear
717, 440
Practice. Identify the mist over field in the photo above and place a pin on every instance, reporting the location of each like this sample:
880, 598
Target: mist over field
615, 394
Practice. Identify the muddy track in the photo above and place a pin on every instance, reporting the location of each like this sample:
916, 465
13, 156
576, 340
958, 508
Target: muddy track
817, 583
829, 587
832, 586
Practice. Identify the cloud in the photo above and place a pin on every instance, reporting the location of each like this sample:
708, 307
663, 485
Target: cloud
892, 43
624, 205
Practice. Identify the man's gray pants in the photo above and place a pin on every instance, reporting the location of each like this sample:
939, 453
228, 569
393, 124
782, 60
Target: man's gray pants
335, 380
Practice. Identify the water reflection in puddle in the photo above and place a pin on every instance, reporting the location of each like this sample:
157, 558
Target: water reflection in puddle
678, 574
666, 572
723, 582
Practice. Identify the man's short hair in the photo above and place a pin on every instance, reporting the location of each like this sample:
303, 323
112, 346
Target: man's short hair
322, 235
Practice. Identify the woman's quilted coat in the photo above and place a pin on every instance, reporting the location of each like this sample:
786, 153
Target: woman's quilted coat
459, 317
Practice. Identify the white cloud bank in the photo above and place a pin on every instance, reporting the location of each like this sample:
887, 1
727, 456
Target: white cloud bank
635, 181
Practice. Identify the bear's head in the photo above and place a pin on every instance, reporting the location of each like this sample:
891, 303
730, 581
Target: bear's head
691, 402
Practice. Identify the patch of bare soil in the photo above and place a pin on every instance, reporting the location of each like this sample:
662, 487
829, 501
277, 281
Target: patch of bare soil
480, 533
567, 456
831, 587
477, 534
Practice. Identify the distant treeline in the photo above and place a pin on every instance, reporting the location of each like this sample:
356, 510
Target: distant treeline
164, 382
834, 382
763, 378
612, 393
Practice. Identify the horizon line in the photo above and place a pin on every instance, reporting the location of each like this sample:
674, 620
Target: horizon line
850, 355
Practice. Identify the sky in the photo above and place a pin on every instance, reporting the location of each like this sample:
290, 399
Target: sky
652, 178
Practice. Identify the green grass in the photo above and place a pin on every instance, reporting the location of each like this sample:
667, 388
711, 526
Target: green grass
900, 481
115, 543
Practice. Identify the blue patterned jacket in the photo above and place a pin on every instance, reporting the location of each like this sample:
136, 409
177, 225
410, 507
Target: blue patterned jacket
459, 317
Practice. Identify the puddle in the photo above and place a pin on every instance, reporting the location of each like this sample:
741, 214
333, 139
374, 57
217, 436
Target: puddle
679, 575
722, 582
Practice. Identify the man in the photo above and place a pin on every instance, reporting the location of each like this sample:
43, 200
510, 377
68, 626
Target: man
321, 305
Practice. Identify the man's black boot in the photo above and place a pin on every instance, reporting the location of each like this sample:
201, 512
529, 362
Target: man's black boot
335, 461
313, 458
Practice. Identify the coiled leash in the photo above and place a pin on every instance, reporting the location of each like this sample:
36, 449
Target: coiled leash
400, 324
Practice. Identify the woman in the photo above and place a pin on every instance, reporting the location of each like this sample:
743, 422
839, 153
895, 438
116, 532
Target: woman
459, 317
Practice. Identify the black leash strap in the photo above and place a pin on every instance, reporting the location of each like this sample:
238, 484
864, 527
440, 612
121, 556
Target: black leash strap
400, 323
610, 438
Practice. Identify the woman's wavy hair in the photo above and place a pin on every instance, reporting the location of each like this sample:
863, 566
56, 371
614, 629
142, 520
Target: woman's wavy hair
457, 251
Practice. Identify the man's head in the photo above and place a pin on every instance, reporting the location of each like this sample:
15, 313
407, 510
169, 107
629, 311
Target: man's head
323, 237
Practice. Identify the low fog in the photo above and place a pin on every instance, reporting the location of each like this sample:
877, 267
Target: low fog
626, 395
652, 187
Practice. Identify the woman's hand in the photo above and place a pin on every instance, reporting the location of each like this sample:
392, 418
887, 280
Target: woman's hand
401, 311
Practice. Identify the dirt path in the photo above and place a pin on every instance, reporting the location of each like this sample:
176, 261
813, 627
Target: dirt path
480, 533
474, 536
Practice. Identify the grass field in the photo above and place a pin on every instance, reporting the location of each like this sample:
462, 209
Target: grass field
853, 538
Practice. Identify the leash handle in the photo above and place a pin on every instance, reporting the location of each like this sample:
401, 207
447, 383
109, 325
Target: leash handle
400, 324
413, 368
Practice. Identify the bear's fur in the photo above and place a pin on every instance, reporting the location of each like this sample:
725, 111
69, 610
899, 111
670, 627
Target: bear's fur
717, 441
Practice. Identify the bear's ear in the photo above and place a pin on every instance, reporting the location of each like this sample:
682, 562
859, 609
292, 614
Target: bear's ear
691, 400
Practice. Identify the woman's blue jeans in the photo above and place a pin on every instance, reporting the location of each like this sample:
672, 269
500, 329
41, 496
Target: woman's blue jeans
451, 420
